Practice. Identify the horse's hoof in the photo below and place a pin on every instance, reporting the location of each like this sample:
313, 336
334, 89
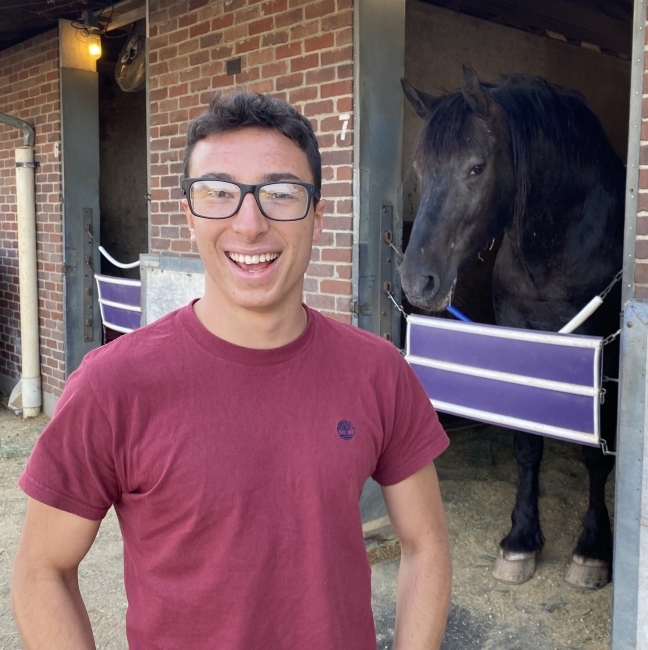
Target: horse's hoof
514, 568
586, 573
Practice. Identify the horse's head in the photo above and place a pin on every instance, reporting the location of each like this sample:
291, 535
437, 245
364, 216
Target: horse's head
463, 161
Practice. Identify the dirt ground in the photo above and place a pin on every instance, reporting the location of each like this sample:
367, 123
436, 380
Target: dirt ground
478, 477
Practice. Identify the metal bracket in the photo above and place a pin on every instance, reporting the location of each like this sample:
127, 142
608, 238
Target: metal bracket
604, 448
87, 276
30, 165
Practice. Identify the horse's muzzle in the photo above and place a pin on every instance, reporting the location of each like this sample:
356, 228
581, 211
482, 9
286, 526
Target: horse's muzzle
424, 290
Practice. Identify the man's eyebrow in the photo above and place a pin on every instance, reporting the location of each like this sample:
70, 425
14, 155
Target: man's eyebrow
217, 176
281, 176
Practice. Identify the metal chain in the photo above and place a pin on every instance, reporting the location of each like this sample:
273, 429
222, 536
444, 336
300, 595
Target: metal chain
608, 339
607, 289
400, 309
388, 238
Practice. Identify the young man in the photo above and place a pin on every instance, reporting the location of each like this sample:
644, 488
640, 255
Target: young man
234, 437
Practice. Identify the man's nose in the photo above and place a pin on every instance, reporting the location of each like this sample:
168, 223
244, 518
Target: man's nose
249, 221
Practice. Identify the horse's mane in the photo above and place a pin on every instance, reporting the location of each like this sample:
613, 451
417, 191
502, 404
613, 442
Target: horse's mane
534, 110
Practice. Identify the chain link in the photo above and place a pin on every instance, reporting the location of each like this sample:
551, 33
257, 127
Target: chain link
608, 339
607, 289
400, 309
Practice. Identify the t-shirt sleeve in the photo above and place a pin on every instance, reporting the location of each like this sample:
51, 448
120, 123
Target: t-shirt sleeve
72, 467
414, 436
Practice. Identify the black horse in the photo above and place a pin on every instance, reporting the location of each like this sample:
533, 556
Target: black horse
530, 160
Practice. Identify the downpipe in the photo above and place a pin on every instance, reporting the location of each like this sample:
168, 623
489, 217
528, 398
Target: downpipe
30, 382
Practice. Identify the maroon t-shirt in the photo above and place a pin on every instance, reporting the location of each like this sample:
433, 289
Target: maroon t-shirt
236, 475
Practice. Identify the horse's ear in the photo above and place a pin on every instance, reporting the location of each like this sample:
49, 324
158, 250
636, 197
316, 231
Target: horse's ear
419, 100
473, 92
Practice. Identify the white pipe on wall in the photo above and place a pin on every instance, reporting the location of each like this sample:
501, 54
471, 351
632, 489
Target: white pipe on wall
28, 278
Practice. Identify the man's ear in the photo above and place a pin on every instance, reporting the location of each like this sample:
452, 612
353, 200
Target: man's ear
318, 224
190, 220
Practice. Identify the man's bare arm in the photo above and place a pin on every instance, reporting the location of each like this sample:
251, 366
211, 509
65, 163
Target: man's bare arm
424, 580
45, 595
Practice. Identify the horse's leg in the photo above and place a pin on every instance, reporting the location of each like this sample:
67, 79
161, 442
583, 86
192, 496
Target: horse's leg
518, 550
590, 565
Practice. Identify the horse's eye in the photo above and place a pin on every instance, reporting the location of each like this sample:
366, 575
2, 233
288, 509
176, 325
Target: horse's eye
477, 170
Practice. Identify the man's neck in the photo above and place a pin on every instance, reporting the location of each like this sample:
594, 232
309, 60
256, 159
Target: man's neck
252, 329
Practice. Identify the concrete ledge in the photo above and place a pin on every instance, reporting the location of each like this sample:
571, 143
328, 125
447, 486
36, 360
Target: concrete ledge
49, 404
7, 384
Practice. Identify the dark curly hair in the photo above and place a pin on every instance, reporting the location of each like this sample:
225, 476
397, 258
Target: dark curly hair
243, 109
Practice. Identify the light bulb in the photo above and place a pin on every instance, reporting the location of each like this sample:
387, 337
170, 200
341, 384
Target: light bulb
94, 46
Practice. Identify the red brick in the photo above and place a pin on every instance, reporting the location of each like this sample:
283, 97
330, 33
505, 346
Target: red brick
274, 38
340, 55
288, 18
199, 30
304, 30
335, 89
210, 40
274, 7
260, 26
289, 81
345, 105
341, 287
641, 249
274, 69
641, 273
318, 108
337, 21
304, 63
338, 223
319, 42
319, 9
222, 22
320, 76
303, 94
247, 45
289, 50
642, 224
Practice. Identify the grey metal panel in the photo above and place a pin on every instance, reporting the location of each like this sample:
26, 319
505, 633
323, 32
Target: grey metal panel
380, 54
629, 470
630, 430
634, 142
80, 157
169, 283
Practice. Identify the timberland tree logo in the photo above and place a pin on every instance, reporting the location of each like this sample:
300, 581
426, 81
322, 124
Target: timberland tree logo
345, 430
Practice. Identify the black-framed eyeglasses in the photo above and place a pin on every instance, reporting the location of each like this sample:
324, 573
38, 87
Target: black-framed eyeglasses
209, 198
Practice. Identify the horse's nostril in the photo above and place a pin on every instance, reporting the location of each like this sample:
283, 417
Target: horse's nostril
431, 283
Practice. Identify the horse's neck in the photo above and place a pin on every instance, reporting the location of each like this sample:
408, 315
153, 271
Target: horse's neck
578, 241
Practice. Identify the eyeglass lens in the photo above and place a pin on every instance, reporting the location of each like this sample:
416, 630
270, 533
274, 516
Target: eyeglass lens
219, 199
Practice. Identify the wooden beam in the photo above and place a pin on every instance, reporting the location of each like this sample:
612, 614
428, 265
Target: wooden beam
562, 16
127, 18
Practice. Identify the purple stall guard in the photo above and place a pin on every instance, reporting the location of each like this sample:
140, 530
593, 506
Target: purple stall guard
119, 302
540, 382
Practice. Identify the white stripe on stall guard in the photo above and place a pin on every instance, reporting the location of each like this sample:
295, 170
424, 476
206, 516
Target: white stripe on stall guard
496, 375
127, 282
517, 423
121, 305
534, 336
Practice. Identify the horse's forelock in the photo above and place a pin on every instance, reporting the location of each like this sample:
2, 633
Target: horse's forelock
447, 130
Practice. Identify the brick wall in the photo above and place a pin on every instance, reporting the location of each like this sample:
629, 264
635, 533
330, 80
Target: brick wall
297, 50
641, 250
30, 91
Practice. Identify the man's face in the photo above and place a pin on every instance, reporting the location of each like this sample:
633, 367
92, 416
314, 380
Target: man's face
254, 155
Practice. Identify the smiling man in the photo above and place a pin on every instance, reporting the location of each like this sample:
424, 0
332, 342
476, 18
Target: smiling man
233, 438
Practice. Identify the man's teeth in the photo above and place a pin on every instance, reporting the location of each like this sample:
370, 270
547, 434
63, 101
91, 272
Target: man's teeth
253, 259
